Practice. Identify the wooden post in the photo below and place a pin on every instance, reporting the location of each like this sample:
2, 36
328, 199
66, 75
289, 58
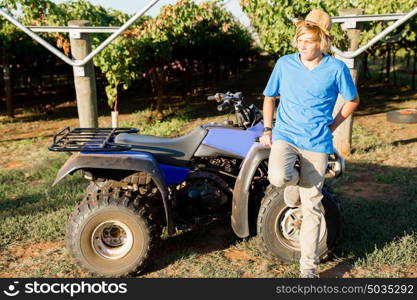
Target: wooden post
342, 137
84, 77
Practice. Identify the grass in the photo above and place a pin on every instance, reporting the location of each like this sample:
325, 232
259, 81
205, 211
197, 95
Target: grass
170, 126
30, 209
374, 223
364, 141
401, 251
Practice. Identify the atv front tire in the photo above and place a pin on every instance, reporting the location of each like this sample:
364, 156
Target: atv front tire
110, 235
278, 226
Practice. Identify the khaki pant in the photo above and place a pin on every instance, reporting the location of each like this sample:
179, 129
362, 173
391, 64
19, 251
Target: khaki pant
312, 170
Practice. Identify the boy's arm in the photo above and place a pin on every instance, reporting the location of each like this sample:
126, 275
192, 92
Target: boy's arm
268, 111
347, 109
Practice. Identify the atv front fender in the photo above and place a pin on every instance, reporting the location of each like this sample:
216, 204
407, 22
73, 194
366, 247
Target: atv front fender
240, 210
136, 162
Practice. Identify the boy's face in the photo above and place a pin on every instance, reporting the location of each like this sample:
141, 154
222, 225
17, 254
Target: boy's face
308, 46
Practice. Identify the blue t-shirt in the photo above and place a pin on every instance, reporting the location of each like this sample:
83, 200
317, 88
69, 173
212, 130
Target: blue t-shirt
307, 100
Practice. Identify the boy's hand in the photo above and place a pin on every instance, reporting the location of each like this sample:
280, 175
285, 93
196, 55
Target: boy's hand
266, 139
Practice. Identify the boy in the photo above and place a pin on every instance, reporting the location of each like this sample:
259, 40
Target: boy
308, 83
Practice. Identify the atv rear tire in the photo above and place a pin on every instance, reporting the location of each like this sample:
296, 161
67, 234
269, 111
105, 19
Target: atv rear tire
278, 226
110, 235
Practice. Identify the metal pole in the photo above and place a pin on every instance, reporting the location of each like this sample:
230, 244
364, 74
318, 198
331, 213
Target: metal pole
84, 78
58, 53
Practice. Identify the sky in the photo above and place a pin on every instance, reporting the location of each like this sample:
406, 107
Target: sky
130, 7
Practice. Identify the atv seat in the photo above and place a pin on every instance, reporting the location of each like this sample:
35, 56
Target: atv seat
176, 151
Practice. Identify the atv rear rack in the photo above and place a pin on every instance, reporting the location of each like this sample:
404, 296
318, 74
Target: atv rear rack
89, 139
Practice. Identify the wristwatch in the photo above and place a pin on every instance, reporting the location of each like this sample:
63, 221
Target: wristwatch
266, 129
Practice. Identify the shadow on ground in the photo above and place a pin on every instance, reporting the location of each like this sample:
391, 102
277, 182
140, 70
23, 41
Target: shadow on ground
382, 97
379, 206
203, 240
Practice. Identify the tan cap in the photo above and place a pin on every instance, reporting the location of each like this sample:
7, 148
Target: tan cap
318, 18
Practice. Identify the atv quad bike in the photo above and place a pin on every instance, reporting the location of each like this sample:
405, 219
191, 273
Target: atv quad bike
141, 184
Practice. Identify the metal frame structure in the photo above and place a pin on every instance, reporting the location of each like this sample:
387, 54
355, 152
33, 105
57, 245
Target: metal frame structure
350, 22
76, 32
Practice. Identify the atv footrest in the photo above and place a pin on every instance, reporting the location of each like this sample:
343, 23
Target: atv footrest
89, 139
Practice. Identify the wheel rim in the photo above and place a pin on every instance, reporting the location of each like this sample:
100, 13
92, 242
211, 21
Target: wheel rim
112, 239
288, 225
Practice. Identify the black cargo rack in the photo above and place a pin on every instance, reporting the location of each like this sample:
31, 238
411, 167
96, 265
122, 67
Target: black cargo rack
89, 139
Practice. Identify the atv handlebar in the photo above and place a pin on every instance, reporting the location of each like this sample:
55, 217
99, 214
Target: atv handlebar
227, 96
246, 116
